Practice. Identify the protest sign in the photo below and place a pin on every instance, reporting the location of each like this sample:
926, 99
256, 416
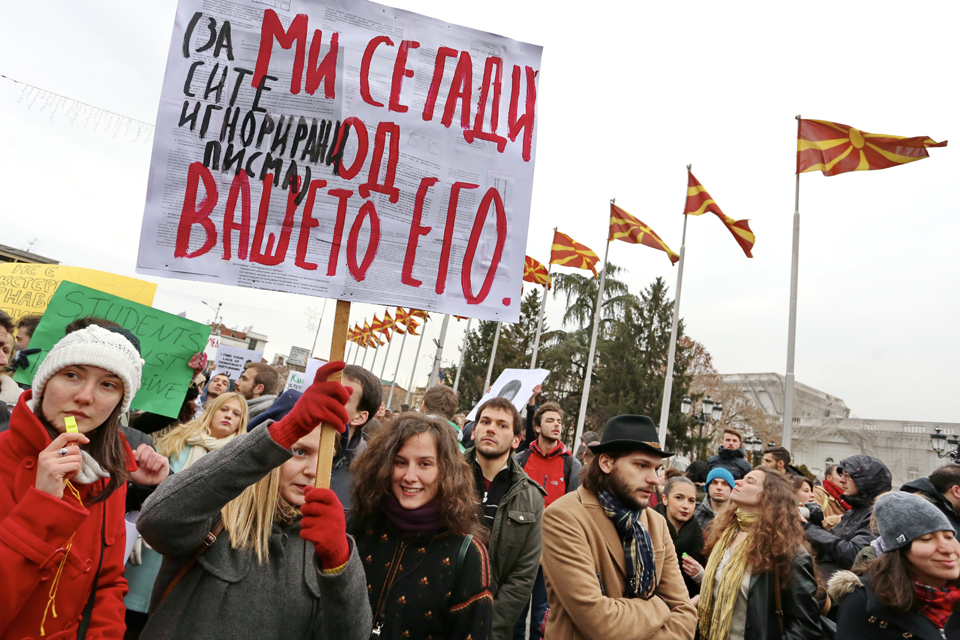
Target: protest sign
516, 385
232, 361
392, 165
298, 381
167, 342
26, 288
298, 356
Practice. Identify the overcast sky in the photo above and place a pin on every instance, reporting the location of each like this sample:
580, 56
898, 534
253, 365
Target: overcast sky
629, 94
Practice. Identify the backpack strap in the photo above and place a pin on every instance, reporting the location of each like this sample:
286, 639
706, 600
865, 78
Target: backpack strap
208, 541
462, 556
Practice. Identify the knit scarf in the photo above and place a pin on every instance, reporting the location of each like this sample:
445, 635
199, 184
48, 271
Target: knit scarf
200, 445
716, 609
637, 546
836, 493
936, 604
410, 522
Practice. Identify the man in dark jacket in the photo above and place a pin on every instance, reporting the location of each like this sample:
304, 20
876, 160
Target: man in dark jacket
862, 478
942, 488
730, 456
512, 508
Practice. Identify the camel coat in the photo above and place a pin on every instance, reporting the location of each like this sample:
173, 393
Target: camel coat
585, 573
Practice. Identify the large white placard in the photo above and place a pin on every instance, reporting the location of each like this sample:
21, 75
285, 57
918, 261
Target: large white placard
516, 385
232, 361
297, 381
343, 149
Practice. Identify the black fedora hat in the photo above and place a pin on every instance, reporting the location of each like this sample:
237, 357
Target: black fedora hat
630, 433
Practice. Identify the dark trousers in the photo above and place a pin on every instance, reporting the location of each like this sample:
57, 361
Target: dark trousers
539, 614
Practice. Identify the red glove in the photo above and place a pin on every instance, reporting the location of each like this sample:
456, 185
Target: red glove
325, 525
323, 401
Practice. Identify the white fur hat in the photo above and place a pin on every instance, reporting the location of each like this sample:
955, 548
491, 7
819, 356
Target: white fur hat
114, 349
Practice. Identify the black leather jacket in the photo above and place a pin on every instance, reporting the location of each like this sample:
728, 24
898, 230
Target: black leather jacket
801, 610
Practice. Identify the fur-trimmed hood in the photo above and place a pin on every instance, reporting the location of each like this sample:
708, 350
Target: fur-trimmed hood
842, 584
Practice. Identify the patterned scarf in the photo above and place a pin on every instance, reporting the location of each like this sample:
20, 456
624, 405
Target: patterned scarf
936, 604
637, 547
716, 602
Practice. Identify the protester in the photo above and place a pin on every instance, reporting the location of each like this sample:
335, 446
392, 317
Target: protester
270, 573
222, 420
680, 501
529, 434
756, 550
942, 488
594, 591
719, 485
365, 393
863, 478
62, 505
512, 509
219, 383
440, 401
588, 438
912, 589
778, 459
26, 325
259, 384
830, 498
9, 391
730, 455
551, 465
414, 507
804, 489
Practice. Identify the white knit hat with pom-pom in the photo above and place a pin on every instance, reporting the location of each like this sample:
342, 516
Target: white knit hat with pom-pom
114, 349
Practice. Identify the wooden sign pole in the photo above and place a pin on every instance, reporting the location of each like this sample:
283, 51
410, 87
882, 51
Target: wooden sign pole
328, 434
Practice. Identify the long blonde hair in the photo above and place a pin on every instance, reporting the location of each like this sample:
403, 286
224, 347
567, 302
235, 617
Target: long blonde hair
249, 518
171, 444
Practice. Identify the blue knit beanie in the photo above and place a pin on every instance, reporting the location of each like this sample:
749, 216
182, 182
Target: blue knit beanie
723, 474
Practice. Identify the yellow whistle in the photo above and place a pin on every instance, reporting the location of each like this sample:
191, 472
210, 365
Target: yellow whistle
71, 424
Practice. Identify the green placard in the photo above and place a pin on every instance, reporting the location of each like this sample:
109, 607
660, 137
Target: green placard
167, 342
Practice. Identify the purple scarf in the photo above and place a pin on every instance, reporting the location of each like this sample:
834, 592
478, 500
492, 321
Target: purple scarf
411, 522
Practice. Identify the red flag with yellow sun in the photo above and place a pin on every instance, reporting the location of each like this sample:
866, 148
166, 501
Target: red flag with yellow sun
834, 148
535, 272
568, 252
700, 202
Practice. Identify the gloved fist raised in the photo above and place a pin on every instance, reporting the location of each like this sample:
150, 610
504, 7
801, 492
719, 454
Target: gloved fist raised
325, 525
323, 401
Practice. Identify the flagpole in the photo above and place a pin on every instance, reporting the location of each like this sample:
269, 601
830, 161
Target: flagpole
353, 350
415, 358
393, 384
386, 357
543, 306
436, 359
463, 351
668, 381
787, 435
593, 343
373, 362
493, 356
364, 361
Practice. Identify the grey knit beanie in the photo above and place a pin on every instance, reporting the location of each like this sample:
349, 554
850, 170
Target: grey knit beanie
902, 517
115, 350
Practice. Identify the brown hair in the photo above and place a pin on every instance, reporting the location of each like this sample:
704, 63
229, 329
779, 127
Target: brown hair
28, 324
504, 405
778, 533
780, 454
672, 472
733, 432
265, 375
456, 491
798, 481
6, 322
546, 406
892, 580
441, 400
592, 477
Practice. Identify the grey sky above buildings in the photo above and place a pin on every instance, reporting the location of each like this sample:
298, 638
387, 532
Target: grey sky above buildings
628, 96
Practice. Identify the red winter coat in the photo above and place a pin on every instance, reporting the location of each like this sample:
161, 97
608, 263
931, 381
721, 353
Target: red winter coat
557, 471
34, 530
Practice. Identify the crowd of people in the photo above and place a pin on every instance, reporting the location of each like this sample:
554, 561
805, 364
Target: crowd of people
209, 525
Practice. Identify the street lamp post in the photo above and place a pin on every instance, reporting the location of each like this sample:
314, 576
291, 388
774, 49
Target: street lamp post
710, 413
939, 440
753, 444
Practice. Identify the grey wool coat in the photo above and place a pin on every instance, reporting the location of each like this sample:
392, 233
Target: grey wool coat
228, 593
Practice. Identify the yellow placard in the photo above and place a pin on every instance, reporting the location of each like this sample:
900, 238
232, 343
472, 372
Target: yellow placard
26, 288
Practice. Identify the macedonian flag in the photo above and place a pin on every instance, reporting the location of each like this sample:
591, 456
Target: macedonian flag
569, 253
419, 313
535, 272
624, 226
699, 202
412, 326
835, 148
366, 338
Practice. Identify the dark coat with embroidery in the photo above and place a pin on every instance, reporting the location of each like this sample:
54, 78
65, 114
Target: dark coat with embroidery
412, 587
861, 617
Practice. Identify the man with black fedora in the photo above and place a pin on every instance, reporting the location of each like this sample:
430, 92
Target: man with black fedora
610, 565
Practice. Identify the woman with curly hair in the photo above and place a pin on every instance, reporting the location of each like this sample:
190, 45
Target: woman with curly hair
913, 588
418, 533
759, 565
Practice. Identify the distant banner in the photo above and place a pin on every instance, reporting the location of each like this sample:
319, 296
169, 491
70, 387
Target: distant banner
26, 288
298, 356
232, 361
344, 149
298, 381
516, 385
167, 342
